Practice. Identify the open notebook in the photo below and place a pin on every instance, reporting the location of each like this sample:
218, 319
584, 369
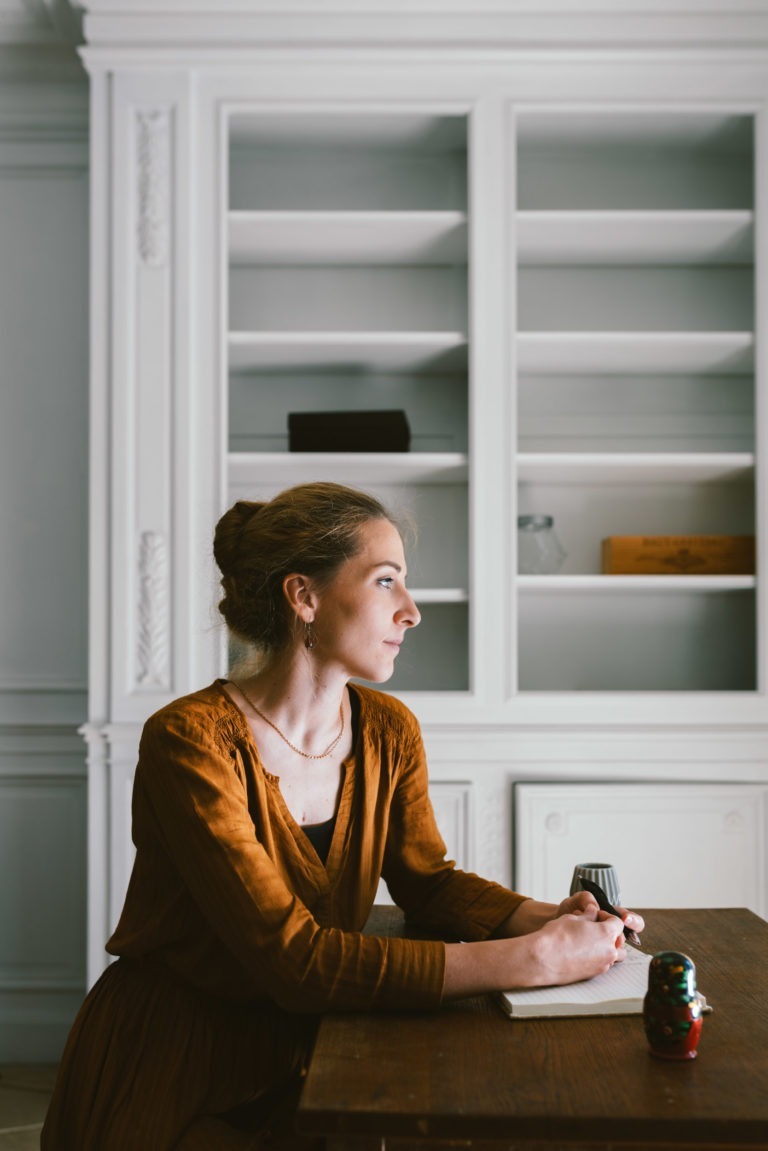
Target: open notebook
619, 991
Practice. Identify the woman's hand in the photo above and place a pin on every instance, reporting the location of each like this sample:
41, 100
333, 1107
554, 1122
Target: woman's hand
565, 949
581, 903
576, 946
541, 944
531, 915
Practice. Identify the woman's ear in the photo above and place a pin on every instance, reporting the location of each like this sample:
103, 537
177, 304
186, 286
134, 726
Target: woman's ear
298, 591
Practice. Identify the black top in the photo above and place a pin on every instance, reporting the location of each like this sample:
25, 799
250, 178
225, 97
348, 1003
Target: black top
320, 836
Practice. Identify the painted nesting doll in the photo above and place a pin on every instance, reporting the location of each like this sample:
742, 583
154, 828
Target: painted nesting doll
672, 1009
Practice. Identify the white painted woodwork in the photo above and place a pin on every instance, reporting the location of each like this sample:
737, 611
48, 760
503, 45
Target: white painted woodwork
634, 467
673, 845
626, 237
355, 351
650, 353
373, 238
554, 261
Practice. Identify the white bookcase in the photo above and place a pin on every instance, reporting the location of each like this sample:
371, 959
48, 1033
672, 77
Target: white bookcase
347, 291
636, 390
538, 232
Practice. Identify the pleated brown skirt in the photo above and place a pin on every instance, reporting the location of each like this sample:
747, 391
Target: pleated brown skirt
152, 1064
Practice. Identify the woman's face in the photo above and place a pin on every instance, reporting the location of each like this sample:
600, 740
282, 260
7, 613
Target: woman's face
363, 614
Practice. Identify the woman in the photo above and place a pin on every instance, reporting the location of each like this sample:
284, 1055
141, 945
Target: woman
266, 807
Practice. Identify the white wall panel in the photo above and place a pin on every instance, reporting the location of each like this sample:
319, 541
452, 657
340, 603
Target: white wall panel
42, 889
43, 564
673, 845
44, 427
42, 830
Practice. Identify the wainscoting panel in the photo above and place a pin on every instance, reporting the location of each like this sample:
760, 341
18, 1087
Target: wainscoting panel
673, 845
42, 890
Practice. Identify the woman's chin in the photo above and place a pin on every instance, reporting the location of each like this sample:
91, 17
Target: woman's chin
377, 675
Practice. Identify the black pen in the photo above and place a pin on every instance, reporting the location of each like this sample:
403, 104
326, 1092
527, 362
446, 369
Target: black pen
605, 905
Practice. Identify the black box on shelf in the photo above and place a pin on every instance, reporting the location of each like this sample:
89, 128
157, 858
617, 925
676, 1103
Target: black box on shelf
385, 431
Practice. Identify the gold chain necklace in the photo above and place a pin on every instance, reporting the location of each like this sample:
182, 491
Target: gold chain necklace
306, 754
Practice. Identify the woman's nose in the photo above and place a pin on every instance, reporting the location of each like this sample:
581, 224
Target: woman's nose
409, 614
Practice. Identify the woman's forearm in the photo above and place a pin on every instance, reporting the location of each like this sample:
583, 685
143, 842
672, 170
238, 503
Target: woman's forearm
494, 965
543, 948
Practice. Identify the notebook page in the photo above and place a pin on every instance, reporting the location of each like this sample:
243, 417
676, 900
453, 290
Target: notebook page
626, 980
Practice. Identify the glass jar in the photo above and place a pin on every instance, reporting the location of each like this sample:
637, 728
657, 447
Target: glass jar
539, 551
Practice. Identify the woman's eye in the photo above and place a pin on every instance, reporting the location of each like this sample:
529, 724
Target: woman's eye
386, 581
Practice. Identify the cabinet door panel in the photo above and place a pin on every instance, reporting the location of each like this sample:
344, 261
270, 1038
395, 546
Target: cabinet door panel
673, 845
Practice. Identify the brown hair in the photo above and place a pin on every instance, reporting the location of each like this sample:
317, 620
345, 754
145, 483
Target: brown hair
311, 529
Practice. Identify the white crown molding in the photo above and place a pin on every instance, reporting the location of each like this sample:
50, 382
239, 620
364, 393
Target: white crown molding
439, 8
438, 24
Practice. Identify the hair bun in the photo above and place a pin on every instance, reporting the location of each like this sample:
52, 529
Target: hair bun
229, 533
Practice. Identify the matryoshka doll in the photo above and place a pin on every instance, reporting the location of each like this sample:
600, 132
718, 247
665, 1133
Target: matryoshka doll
672, 1008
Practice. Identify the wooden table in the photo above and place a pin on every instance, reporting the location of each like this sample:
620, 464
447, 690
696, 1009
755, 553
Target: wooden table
467, 1072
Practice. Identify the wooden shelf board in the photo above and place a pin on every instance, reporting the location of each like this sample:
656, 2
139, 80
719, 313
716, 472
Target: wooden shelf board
419, 131
603, 353
300, 238
634, 467
612, 237
440, 595
674, 131
328, 351
278, 469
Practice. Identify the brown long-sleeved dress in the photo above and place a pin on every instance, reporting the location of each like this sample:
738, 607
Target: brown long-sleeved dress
235, 936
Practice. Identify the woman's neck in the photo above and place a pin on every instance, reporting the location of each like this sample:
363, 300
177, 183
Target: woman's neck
304, 709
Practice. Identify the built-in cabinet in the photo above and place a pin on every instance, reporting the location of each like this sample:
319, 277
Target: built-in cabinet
631, 364
636, 390
553, 262
347, 280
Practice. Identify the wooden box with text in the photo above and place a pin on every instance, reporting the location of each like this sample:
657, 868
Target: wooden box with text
678, 555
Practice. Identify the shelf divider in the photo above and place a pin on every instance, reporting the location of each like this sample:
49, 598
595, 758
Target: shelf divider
634, 353
276, 469
340, 237
635, 237
328, 351
634, 467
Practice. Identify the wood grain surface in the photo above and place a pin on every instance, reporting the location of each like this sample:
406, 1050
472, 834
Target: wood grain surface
467, 1072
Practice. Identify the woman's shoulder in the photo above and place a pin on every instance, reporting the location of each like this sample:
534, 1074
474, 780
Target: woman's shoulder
379, 709
208, 710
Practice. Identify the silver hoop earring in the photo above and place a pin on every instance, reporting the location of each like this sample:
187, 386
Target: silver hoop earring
310, 639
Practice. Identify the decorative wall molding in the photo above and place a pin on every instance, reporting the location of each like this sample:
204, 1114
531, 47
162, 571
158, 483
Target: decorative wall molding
30, 751
43, 816
34, 1023
491, 832
43, 130
153, 173
633, 752
47, 816
42, 682
452, 803
153, 623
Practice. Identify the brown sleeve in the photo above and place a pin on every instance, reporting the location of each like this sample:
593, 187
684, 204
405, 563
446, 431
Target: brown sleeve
430, 888
200, 809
